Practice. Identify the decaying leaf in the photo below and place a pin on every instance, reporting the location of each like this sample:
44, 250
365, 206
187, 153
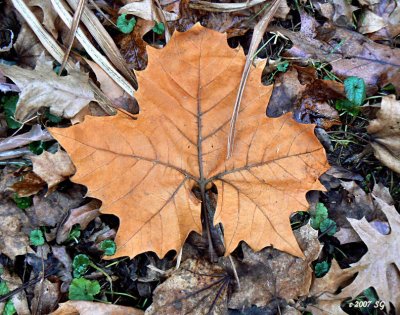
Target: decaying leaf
381, 264
42, 87
385, 133
82, 216
351, 55
90, 308
147, 176
35, 134
49, 15
269, 273
197, 288
29, 185
49, 210
53, 168
19, 299
147, 10
14, 226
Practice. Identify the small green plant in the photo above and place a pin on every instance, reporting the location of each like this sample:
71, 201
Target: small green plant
125, 25
321, 269
83, 290
109, 247
9, 103
36, 238
159, 28
52, 118
80, 265
9, 308
22, 202
74, 234
283, 66
320, 220
38, 147
355, 90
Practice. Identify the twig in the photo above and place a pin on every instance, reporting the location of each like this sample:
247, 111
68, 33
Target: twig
72, 32
258, 34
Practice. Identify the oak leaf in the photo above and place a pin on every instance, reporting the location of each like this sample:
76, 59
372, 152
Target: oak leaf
380, 266
144, 170
42, 87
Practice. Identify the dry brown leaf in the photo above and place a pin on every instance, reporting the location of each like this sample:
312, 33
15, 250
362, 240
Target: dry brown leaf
82, 216
356, 55
380, 266
385, 133
178, 142
46, 297
91, 308
49, 210
197, 288
382, 20
30, 184
19, 299
42, 87
14, 226
53, 168
49, 15
269, 273
147, 10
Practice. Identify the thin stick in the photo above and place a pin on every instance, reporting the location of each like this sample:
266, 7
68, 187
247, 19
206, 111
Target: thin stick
258, 34
234, 271
72, 32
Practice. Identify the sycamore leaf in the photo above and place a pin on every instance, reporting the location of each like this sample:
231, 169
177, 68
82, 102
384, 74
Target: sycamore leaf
144, 170
42, 87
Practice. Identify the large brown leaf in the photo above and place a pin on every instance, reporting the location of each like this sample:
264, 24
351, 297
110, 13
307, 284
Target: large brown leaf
144, 170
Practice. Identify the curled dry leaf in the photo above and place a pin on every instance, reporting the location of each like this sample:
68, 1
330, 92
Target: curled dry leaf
35, 134
381, 264
179, 142
147, 10
53, 168
42, 87
356, 55
14, 226
197, 288
385, 133
82, 216
90, 308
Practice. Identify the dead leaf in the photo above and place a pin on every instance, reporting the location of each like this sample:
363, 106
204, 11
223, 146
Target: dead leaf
35, 134
349, 53
14, 228
53, 168
46, 297
197, 288
49, 210
308, 102
179, 142
381, 20
385, 133
147, 10
19, 299
49, 14
380, 265
30, 184
340, 12
42, 87
82, 216
90, 308
28, 47
323, 290
269, 273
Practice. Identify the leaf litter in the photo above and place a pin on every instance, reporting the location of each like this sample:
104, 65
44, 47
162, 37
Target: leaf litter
334, 51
